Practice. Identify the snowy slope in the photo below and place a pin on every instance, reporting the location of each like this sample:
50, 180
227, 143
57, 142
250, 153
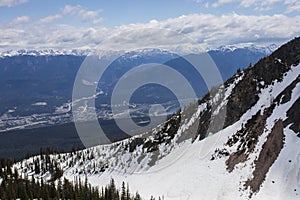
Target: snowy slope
192, 176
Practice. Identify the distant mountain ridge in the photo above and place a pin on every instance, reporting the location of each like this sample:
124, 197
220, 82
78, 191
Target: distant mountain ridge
84, 52
254, 48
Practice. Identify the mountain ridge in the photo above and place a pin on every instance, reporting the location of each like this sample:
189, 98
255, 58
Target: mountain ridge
85, 52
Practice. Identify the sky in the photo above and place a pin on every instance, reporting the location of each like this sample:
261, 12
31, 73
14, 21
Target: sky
88, 24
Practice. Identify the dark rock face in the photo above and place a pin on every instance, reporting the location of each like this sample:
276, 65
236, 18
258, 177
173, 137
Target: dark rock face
243, 96
247, 138
135, 143
267, 156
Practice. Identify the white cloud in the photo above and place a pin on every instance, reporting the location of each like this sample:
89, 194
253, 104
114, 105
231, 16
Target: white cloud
260, 5
50, 18
208, 30
98, 20
220, 2
257, 4
292, 6
11, 3
69, 9
80, 11
19, 20
87, 14
226, 1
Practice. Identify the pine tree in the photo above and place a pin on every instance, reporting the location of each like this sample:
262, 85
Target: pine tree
123, 195
152, 198
37, 169
137, 197
127, 192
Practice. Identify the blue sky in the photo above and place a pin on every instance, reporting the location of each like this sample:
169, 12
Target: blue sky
86, 23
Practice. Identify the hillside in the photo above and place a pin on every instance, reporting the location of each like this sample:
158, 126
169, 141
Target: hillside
254, 155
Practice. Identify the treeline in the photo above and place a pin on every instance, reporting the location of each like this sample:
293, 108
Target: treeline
12, 186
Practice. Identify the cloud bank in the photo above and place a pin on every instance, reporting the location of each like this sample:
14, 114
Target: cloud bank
207, 30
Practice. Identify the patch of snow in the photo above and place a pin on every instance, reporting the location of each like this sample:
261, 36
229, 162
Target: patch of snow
39, 104
228, 91
11, 110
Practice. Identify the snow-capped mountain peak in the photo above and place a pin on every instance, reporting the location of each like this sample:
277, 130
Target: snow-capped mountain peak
268, 49
45, 52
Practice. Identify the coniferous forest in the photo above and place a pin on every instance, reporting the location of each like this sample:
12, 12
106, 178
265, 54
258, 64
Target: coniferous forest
13, 186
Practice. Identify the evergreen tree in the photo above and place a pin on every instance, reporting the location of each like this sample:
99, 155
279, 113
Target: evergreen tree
123, 195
